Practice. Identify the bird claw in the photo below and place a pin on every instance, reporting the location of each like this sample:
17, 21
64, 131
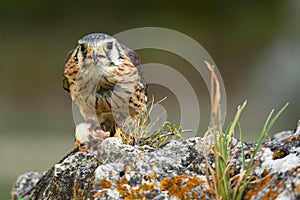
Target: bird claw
118, 132
81, 147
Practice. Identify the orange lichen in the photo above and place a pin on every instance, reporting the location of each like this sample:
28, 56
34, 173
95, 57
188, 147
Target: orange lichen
175, 186
97, 194
194, 195
179, 186
193, 182
105, 184
271, 194
139, 193
280, 185
265, 173
297, 189
153, 177
296, 170
291, 138
209, 191
166, 183
279, 154
261, 184
120, 186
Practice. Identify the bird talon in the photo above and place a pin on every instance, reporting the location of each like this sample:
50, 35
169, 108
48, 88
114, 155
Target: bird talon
118, 132
83, 148
77, 143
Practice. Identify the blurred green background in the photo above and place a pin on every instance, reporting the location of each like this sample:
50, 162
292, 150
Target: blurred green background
255, 44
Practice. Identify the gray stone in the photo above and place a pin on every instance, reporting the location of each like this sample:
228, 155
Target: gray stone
174, 171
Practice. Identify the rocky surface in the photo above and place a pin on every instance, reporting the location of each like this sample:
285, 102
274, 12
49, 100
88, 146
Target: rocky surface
173, 171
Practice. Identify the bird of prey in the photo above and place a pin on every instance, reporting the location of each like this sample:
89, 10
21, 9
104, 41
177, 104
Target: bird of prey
104, 79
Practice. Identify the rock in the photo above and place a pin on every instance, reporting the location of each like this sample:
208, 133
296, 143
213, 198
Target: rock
173, 171
25, 183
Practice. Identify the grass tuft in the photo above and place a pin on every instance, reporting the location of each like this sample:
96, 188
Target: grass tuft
142, 131
218, 177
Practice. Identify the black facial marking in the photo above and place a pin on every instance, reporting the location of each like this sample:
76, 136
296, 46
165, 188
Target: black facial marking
83, 50
109, 45
119, 52
75, 58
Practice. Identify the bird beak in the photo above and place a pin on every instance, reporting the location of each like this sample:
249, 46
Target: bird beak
97, 55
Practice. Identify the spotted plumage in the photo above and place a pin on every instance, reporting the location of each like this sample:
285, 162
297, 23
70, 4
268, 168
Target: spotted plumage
104, 79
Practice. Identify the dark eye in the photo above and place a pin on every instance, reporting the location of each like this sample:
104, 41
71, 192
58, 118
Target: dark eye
82, 48
109, 45
75, 58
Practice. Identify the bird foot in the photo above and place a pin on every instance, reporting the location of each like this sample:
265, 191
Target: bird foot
118, 132
81, 147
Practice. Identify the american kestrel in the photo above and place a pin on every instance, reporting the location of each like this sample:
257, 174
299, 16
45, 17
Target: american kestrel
104, 79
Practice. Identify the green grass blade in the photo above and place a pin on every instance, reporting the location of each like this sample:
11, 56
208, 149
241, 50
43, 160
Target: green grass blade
267, 127
242, 146
234, 122
276, 116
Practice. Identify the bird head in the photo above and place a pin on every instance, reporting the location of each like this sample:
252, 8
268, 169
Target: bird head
100, 50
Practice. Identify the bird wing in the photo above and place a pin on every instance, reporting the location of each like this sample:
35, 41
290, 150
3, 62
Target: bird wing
136, 61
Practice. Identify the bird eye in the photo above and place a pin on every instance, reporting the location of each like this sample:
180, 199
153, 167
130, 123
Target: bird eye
109, 46
82, 48
75, 58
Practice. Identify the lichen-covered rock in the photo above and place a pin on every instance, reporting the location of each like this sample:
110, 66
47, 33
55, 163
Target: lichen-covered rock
24, 184
173, 171
279, 170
